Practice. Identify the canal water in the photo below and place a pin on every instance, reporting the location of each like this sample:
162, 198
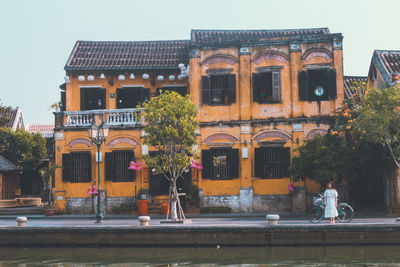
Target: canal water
205, 256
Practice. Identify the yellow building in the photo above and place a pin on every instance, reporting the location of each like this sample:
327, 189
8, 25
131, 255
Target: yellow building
260, 94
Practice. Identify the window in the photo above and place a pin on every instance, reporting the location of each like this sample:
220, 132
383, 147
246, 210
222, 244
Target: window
117, 163
77, 167
91, 97
317, 85
220, 164
218, 89
272, 162
182, 90
131, 97
267, 87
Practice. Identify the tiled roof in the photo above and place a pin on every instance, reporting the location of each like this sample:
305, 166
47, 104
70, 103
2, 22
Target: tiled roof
6, 165
46, 130
390, 59
349, 82
232, 36
9, 113
93, 55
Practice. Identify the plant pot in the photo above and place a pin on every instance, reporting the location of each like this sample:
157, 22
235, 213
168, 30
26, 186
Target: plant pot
164, 208
142, 206
49, 212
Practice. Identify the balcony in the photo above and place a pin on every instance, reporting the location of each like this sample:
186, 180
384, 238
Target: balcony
111, 117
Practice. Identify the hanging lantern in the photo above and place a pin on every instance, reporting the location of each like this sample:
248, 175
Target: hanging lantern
171, 77
89, 191
102, 76
90, 78
199, 165
145, 76
94, 190
132, 166
139, 166
121, 77
290, 187
160, 78
193, 165
81, 78
132, 76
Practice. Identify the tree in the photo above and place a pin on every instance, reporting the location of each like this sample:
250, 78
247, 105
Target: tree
377, 119
4, 118
322, 159
24, 149
170, 127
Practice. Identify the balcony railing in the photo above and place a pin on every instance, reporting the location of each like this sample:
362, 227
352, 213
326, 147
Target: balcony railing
111, 117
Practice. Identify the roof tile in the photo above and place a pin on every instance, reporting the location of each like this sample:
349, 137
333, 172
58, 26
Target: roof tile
349, 83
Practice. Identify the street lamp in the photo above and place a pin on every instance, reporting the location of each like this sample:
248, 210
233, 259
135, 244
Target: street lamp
98, 135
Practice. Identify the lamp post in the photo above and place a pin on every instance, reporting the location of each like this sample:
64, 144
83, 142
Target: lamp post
98, 135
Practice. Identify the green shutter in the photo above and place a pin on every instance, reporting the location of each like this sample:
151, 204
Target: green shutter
109, 158
66, 167
276, 86
303, 85
232, 88
234, 163
286, 161
206, 158
332, 84
259, 160
256, 87
205, 89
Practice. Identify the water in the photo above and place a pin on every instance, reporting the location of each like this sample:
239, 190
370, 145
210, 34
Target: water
211, 256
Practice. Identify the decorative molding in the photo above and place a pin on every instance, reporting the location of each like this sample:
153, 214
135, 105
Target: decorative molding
312, 133
219, 58
270, 55
219, 136
80, 141
119, 140
269, 69
218, 71
268, 134
317, 52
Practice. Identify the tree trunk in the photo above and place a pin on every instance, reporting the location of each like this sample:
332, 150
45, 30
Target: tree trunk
173, 196
394, 191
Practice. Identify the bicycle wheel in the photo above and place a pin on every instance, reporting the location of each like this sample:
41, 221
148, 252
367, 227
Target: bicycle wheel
345, 213
316, 214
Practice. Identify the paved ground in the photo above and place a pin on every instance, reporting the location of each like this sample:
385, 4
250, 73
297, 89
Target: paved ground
130, 221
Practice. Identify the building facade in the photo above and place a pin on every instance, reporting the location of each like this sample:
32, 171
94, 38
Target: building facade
260, 94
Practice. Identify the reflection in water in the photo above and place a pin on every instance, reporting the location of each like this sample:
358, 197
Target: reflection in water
239, 256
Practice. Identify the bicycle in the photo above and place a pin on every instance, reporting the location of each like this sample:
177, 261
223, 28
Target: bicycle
316, 214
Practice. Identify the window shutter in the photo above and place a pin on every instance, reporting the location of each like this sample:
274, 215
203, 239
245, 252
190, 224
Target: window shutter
234, 163
303, 85
88, 160
276, 86
66, 167
109, 166
206, 158
205, 89
285, 161
63, 101
259, 162
145, 92
103, 98
83, 99
256, 87
232, 88
131, 157
332, 84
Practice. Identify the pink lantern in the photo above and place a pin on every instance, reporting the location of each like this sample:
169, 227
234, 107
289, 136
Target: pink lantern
290, 187
89, 191
139, 166
193, 165
94, 190
132, 166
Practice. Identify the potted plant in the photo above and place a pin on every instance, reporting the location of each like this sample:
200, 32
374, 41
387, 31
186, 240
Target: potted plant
49, 210
143, 202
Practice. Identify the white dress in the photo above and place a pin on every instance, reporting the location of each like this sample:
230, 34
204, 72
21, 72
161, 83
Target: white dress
330, 208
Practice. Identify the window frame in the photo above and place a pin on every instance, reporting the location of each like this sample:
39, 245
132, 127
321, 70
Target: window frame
261, 165
111, 162
72, 171
228, 95
275, 87
306, 93
144, 95
210, 171
85, 91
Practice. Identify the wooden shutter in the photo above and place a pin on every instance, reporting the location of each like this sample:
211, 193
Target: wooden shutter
145, 95
66, 167
102, 96
232, 87
332, 84
63, 101
83, 107
276, 86
206, 158
286, 161
259, 162
131, 174
256, 87
303, 85
234, 163
205, 89
110, 172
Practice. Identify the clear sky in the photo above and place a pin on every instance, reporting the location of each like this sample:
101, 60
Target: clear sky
37, 36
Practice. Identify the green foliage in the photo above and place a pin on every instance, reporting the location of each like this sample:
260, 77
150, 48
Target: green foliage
322, 159
171, 124
24, 149
4, 119
220, 209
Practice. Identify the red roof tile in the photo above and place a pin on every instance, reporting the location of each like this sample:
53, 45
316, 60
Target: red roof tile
93, 55
46, 130
349, 83
390, 59
231, 36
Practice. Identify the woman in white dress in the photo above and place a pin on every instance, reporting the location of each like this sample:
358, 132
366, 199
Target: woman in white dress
330, 199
